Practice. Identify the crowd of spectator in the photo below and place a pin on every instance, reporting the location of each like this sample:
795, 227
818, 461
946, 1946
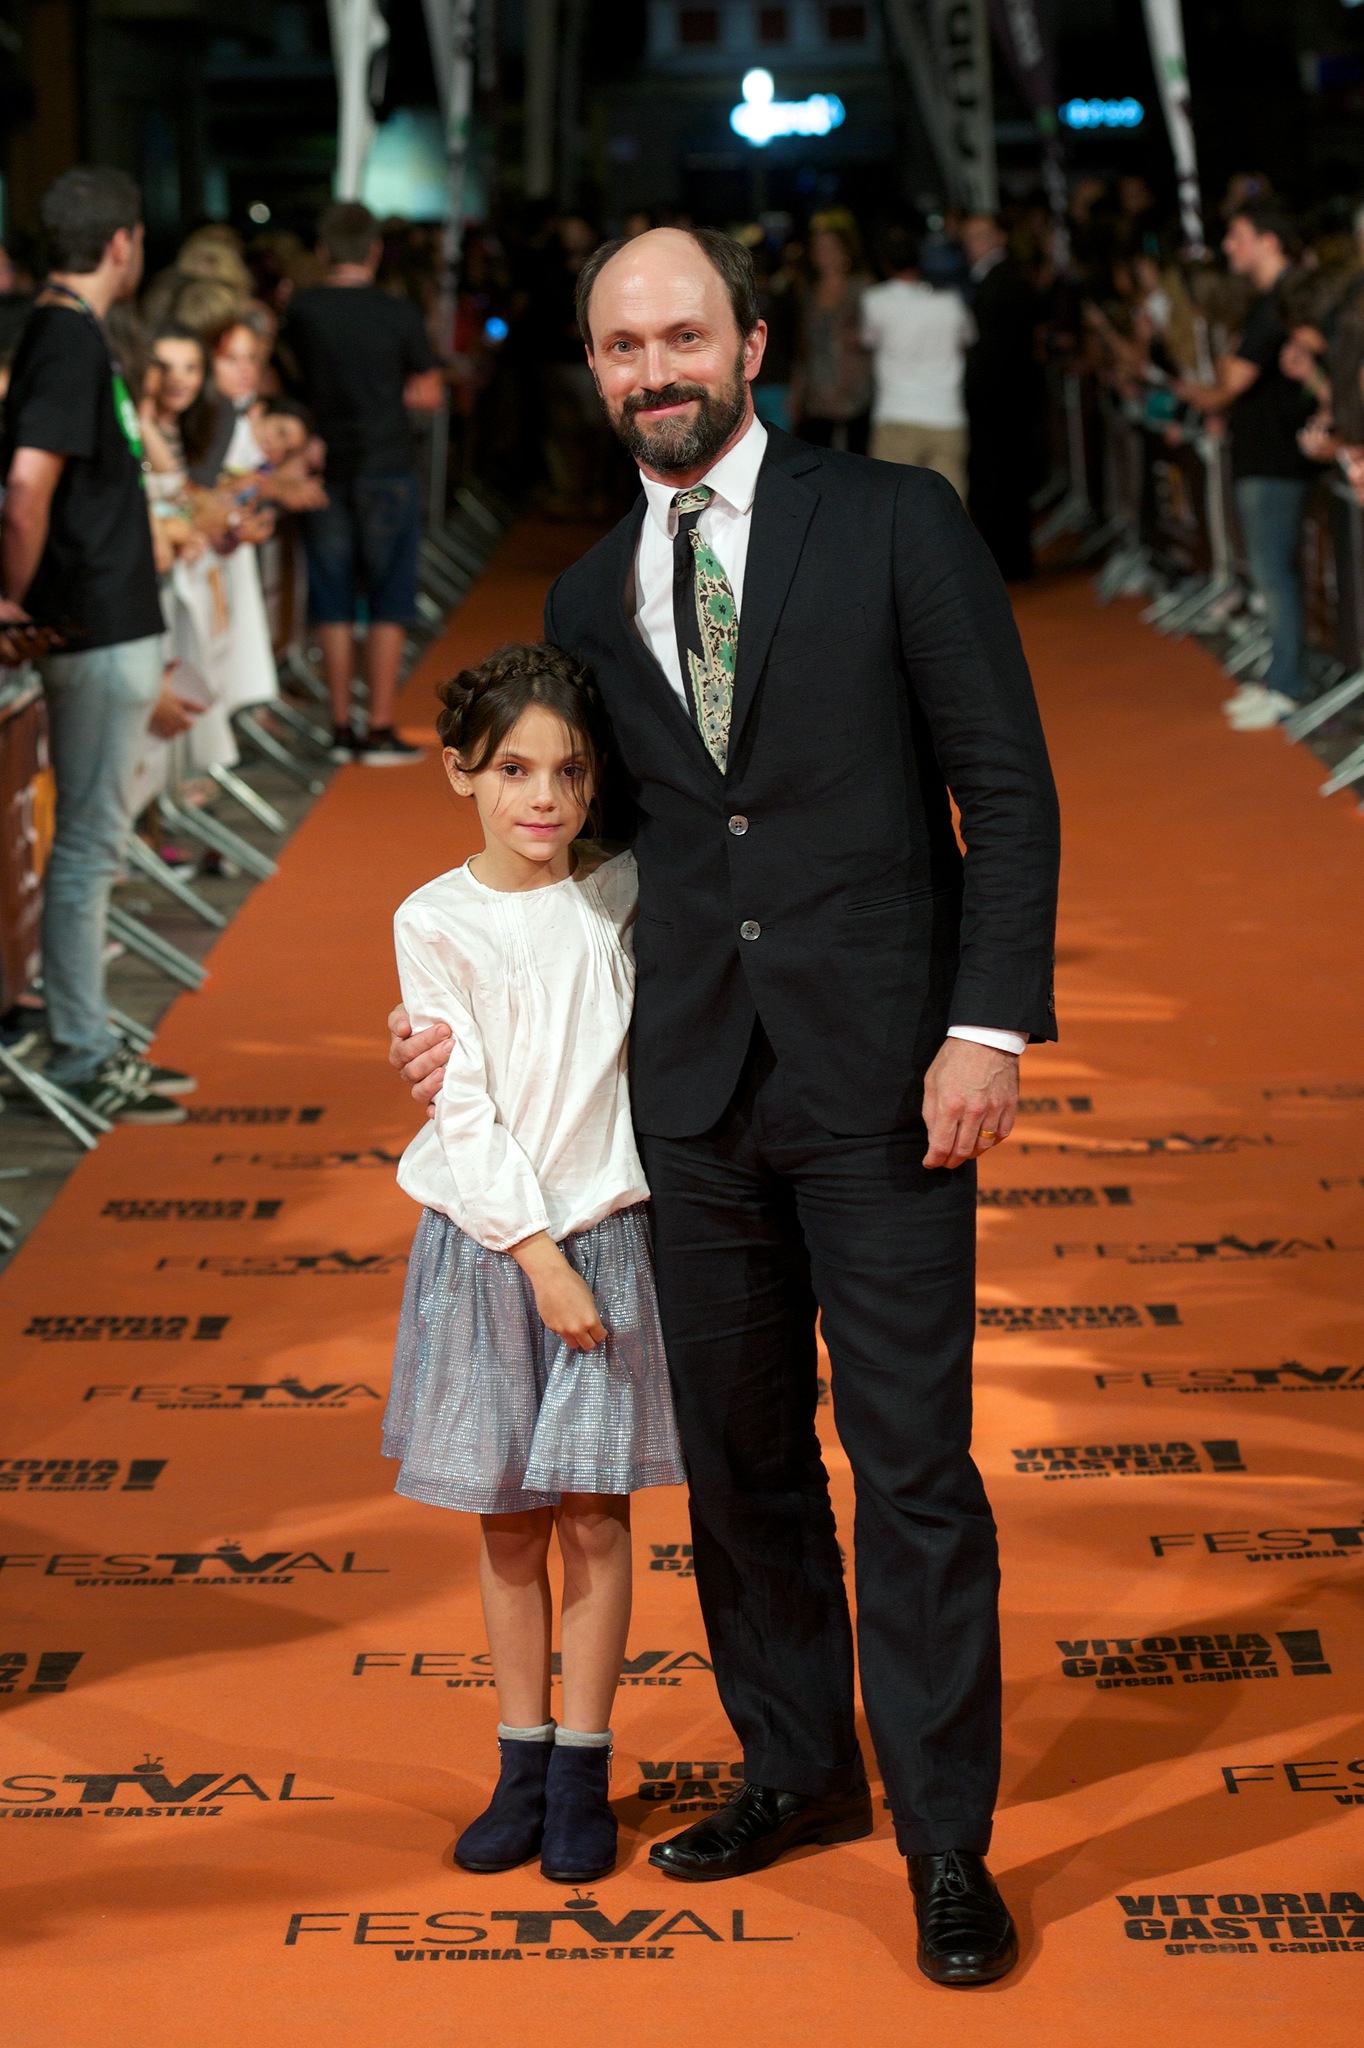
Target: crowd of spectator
154, 435
1260, 345
151, 442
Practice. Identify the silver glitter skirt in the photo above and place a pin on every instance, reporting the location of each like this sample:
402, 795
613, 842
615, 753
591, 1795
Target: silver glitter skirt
493, 1413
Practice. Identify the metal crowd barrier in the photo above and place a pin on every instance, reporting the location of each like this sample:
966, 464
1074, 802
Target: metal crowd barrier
455, 548
1167, 521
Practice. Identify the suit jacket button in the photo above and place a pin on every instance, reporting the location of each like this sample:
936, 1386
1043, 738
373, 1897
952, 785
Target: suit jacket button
749, 930
738, 825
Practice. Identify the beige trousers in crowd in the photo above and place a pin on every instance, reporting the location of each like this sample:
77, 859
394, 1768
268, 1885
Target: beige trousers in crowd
940, 448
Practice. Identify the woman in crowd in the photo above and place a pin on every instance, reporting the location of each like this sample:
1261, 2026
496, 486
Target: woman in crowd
177, 421
189, 527
215, 608
210, 257
247, 674
830, 392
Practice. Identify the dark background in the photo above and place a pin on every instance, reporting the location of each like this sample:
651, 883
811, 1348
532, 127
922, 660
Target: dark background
219, 105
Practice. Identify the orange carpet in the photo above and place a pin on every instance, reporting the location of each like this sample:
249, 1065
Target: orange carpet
216, 1609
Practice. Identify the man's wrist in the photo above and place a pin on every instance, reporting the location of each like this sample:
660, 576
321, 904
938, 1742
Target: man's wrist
1014, 1042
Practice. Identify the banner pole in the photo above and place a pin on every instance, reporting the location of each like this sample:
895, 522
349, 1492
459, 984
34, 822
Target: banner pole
1165, 34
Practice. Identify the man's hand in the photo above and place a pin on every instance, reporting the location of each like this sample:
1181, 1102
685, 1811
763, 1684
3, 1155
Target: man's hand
1317, 439
970, 1101
563, 1297
19, 637
424, 390
1351, 460
419, 1056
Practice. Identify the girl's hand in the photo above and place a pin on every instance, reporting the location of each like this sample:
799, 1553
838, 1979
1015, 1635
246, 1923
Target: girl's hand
567, 1307
562, 1296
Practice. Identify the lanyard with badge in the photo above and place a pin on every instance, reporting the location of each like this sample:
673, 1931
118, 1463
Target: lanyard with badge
125, 412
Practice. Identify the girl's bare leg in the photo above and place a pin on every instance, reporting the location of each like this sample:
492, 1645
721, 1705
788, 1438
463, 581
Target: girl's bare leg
594, 1540
514, 1583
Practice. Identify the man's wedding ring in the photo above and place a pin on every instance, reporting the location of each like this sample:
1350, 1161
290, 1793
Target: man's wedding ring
989, 1134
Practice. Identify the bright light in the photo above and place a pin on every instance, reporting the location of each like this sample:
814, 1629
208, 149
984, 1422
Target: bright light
762, 116
1128, 113
405, 170
259, 213
495, 328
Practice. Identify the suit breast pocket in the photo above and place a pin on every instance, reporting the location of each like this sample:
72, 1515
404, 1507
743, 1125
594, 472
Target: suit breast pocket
809, 637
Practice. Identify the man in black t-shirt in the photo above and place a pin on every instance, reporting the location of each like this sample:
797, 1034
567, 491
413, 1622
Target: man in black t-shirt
76, 558
1265, 411
363, 360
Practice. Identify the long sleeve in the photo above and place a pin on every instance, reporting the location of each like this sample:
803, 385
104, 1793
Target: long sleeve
966, 670
497, 1198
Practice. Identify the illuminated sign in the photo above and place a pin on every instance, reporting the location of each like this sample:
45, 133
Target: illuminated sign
1127, 113
761, 116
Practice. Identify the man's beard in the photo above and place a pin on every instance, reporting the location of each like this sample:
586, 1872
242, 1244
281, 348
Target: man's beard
678, 444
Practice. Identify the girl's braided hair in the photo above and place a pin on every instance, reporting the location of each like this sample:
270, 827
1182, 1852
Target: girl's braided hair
481, 705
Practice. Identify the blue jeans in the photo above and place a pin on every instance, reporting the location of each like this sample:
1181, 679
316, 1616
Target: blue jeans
372, 525
1270, 510
98, 705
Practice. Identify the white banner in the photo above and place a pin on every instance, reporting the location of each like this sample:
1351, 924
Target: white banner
1165, 33
962, 41
358, 33
946, 51
450, 28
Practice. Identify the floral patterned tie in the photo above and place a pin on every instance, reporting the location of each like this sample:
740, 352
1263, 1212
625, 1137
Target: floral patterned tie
707, 623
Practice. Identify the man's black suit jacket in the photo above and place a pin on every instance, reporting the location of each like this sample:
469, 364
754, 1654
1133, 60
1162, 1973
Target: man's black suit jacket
879, 668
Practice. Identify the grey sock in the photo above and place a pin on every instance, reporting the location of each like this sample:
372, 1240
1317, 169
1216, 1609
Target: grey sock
574, 1738
544, 1733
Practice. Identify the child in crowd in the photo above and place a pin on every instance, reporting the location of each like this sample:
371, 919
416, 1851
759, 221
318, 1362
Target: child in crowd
279, 457
530, 1385
282, 427
202, 536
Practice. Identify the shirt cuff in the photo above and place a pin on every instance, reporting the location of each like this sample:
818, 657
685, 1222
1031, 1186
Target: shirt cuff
980, 1034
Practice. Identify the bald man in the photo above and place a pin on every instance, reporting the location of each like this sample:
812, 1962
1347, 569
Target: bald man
802, 652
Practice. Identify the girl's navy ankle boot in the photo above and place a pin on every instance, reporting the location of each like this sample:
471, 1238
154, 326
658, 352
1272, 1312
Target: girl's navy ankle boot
580, 1829
510, 1830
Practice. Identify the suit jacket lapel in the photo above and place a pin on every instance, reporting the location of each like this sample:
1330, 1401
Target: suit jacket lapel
782, 511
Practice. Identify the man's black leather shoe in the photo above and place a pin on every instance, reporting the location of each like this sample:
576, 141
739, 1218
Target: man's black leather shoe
966, 1935
756, 1827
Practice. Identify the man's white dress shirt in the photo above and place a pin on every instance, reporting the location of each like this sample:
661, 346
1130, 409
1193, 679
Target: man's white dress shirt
724, 526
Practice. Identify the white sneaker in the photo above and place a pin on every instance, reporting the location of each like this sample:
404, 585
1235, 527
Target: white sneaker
1263, 716
1243, 697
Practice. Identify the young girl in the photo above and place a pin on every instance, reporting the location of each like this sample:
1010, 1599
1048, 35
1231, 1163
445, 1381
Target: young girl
530, 1386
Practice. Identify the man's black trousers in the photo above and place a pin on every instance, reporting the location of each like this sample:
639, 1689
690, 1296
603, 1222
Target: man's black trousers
759, 1221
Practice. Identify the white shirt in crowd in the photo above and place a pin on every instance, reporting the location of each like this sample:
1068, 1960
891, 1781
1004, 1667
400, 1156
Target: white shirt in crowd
724, 526
532, 1127
918, 338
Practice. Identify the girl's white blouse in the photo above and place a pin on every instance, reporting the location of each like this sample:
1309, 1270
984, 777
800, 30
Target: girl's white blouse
532, 1126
